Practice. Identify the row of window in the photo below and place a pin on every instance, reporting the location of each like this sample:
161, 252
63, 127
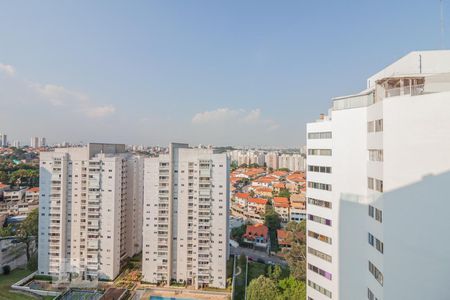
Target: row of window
319, 220
319, 288
375, 184
319, 271
376, 213
319, 254
319, 135
319, 237
376, 273
320, 152
320, 169
321, 203
375, 126
376, 154
319, 186
371, 295
374, 242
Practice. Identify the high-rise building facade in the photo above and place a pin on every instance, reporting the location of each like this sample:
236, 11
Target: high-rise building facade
3, 140
90, 211
186, 206
34, 142
378, 171
272, 160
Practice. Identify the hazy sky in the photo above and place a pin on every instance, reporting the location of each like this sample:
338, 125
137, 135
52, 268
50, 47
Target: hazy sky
210, 72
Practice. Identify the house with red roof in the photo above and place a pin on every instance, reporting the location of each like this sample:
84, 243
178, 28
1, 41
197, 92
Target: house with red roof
257, 205
258, 236
241, 199
285, 238
281, 206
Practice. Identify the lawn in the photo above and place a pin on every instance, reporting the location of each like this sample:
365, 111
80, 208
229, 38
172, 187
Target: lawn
7, 280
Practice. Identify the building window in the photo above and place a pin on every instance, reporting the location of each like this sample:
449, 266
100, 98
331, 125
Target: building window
375, 184
319, 237
319, 220
319, 289
375, 126
376, 243
319, 271
319, 254
319, 135
319, 169
376, 213
370, 295
319, 186
320, 152
376, 273
375, 154
321, 203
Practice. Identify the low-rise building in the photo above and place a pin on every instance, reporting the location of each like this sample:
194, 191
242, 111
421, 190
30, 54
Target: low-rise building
281, 206
262, 191
257, 205
258, 236
297, 211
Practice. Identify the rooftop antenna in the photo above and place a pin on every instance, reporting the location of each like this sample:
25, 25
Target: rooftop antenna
442, 25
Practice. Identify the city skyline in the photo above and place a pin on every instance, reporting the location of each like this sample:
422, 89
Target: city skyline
251, 77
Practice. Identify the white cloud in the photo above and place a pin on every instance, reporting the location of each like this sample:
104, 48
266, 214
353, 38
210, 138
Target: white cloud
7, 69
218, 115
235, 116
253, 116
100, 111
60, 96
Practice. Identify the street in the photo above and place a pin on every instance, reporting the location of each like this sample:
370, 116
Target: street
255, 254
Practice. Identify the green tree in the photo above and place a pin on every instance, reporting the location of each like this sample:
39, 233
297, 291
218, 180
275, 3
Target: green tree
4, 178
238, 232
275, 273
272, 219
27, 232
6, 231
291, 289
262, 288
296, 259
284, 193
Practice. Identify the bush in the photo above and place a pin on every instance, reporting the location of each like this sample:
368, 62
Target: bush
6, 270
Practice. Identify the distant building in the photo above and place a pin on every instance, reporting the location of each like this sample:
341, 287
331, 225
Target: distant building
34, 142
3, 140
271, 159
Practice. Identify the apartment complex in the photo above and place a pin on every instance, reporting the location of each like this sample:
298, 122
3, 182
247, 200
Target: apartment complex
186, 206
90, 211
378, 171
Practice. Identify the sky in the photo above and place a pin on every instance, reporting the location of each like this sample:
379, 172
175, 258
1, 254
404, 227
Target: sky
242, 73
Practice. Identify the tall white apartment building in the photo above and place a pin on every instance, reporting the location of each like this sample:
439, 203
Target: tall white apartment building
186, 206
293, 162
271, 160
42, 142
377, 187
3, 140
34, 142
90, 211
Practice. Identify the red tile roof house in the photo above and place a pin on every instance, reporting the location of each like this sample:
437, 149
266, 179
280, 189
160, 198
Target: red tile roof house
257, 236
257, 205
285, 238
241, 199
281, 206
